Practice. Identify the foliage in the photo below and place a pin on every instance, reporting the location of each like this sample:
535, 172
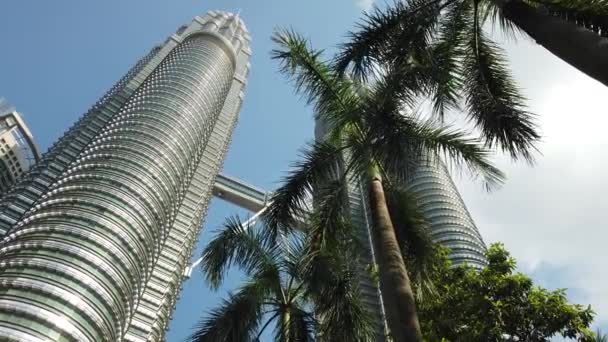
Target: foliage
366, 128
370, 134
455, 63
440, 51
291, 284
497, 304
413, 234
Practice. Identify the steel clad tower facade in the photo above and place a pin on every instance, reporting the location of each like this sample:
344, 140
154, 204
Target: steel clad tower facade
18, 152
96, 235
451, 224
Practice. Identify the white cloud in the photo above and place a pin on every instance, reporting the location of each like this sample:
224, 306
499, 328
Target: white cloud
552, 216
365, 5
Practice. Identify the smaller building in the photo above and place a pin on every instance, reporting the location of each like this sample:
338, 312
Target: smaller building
18, 152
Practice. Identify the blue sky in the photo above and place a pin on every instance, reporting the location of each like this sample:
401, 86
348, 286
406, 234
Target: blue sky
58, 57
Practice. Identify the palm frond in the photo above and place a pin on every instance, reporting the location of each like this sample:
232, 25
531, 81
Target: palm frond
321, 262
494, 103
244, 247
492, 11
343, 315
445, 76
402, 82
385, 34
294, 256
320, 162
399, 142
333, 96
417, 29
237, 318
365, 47
413, 233
460, 151
599, 336
328, 219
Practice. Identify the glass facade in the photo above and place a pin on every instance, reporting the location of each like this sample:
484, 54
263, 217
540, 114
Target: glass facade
98, 233
450, 222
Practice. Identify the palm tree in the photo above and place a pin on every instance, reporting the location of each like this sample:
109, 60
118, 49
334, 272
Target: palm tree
457, 62
441, 45
369, 137
290, 284
574, 30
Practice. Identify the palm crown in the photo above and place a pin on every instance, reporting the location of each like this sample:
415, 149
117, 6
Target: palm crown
290, 284
371, 137
442, 43
369, 123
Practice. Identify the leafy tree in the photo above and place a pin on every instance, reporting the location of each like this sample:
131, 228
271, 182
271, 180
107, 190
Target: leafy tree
369, 138
290, 284
497, 304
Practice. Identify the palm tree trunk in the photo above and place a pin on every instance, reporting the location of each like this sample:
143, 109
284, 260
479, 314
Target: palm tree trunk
582, 48
394, 281
285, 325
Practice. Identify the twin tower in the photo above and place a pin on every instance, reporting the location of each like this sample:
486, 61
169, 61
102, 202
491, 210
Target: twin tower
95, 238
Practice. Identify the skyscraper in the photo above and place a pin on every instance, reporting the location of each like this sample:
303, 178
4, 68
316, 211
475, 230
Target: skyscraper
18, 152
98, 233
451, 224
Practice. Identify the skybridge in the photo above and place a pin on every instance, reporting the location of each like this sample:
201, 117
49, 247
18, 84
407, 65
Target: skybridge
241, 194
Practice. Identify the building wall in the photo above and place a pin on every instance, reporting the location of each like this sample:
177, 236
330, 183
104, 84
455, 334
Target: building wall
29, 188
450, 222
155, 309
90, 229
17, 149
